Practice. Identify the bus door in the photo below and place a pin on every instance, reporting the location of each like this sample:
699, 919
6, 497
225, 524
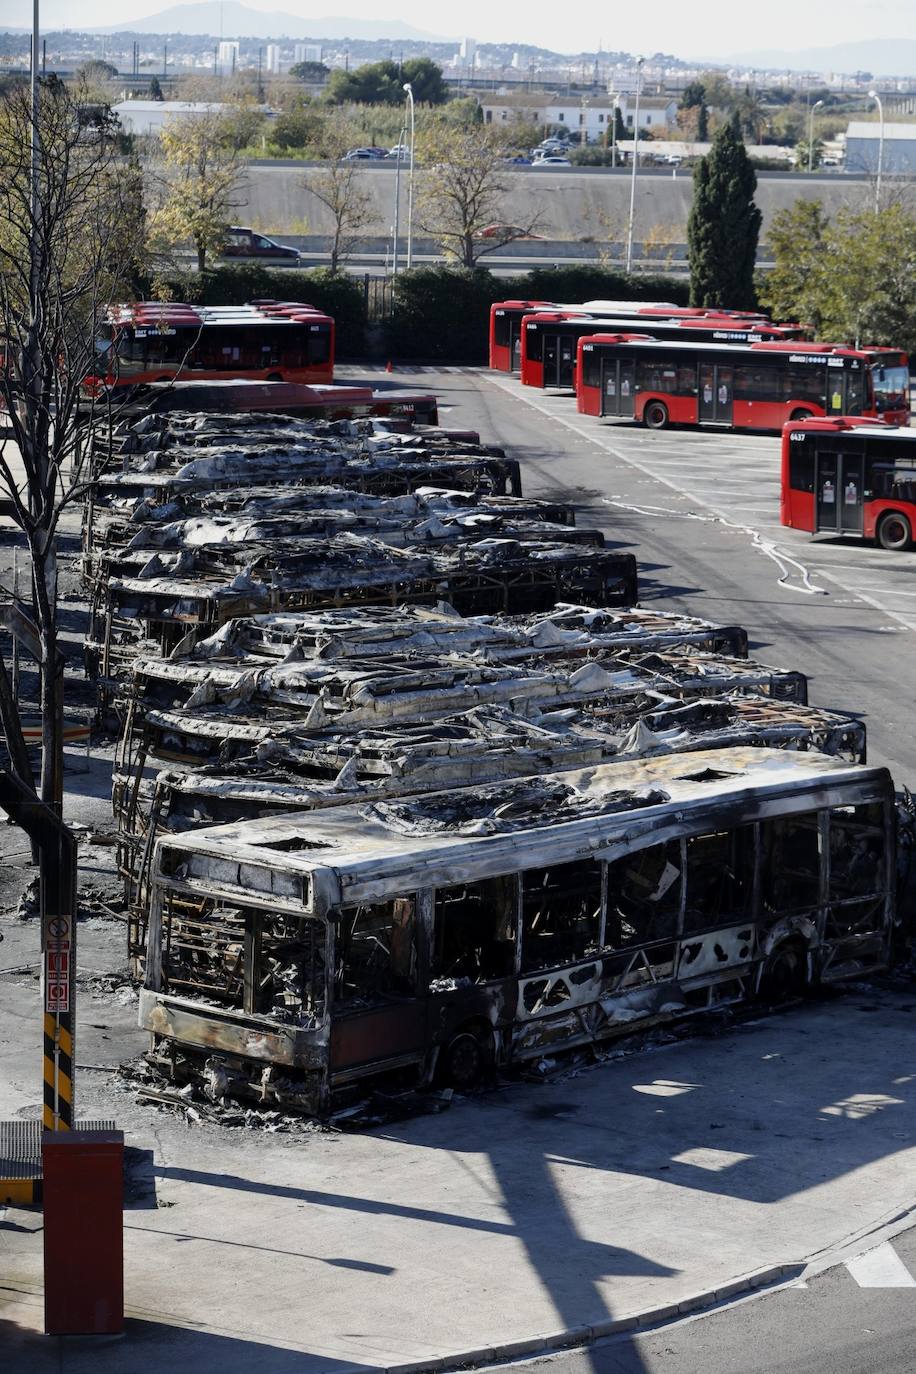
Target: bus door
839, 482
717, 393
618, 384
566, 362
515, 346
550, 355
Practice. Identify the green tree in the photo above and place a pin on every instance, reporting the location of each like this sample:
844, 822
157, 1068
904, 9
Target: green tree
203, 175
793, 289
299, 128
309, 71
155, 90
724, 224
340, 187
693, 101
426, 81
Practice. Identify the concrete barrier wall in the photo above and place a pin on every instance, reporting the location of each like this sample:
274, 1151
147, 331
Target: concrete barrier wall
579, 205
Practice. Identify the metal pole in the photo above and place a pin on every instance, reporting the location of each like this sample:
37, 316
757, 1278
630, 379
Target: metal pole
614, 109
873, 95
816, 106
413, 136
397, 205
629, 262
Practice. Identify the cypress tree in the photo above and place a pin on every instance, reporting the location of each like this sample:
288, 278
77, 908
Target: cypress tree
724, 224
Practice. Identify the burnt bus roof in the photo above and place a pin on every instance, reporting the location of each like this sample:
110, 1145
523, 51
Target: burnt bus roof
312, 862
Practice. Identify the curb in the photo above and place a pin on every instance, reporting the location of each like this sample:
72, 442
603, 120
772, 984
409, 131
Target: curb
585, 1335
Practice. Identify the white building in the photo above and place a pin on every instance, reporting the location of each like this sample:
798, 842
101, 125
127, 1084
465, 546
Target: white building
272, 57
307, 52
468, 52
146, 117
592, 114
227, 56
898, 155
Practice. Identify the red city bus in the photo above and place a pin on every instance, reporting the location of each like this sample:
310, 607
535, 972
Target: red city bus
276, 341
739, 386
850, 476
506, 320
549, 339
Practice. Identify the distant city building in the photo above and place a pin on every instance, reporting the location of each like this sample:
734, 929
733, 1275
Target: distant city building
227, 57
862, 140
272, 56
307, 52
468, 52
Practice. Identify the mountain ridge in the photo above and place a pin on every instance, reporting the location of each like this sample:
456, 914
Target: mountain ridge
231, 19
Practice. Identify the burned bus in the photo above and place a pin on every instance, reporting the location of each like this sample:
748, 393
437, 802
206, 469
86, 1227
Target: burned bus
290, 958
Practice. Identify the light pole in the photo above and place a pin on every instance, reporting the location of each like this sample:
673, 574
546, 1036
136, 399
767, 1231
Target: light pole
629, 264
614, 108
873, 95
816, 106
397, 203
413, 138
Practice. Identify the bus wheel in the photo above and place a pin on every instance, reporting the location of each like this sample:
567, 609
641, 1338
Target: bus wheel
465, 1058
273, 377
655, 415
894, 531
800, 415
785, 974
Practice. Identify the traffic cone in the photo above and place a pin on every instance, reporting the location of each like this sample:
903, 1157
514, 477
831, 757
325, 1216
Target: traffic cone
388, 366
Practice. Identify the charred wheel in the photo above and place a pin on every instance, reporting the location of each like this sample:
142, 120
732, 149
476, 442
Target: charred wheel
785, 974
467, 1056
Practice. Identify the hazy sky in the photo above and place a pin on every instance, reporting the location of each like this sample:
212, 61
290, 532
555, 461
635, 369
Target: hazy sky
716, 28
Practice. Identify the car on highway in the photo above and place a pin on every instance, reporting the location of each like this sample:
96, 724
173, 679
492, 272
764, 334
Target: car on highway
242, 242
362, 155
551, 161
519, 160
400, 150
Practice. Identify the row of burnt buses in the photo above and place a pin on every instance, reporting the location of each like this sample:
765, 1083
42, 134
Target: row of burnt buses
410, 789
848, 458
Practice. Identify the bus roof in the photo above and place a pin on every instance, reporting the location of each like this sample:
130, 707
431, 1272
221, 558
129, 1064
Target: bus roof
850, 424
795, 347
367, 852
172, 314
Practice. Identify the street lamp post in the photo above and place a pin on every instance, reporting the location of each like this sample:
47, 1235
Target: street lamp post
614, 108
413, 138
873, 95
397, 204
816, 106
629, 264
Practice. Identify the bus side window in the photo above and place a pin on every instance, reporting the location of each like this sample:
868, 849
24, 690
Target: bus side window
791, 865
801, 464
591, 368
857, 869
561, 914
644, 895
319, 346
376, 952
720, 878
475, 926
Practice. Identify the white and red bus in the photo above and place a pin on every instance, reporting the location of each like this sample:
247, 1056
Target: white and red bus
850, 476
738, 386
549, 339
506, 320
274, 341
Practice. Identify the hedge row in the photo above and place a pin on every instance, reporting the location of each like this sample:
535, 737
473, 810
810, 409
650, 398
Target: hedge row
438, 314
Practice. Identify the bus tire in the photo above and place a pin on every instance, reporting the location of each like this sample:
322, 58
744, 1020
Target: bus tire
273, 377
800, 415
655, 415
785, 973
466, 1057
894, 531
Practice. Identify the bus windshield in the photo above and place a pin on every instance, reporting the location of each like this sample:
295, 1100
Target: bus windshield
892, 388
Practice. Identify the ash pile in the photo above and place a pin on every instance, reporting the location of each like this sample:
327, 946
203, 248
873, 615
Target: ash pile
312, 633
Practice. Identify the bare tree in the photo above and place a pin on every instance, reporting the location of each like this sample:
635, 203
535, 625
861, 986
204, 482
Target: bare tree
67, 245
340, 187
463, 194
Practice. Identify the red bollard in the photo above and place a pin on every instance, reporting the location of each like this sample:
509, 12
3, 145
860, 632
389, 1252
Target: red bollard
83, 1232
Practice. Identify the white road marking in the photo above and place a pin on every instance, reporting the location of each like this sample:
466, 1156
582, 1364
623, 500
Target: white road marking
880, 1268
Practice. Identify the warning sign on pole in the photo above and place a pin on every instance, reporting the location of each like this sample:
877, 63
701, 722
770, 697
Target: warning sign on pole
57, 965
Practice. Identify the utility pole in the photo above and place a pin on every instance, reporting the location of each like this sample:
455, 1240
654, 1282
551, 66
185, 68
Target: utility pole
260, 83
873, 95
629, 265
413, 138
165, 57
